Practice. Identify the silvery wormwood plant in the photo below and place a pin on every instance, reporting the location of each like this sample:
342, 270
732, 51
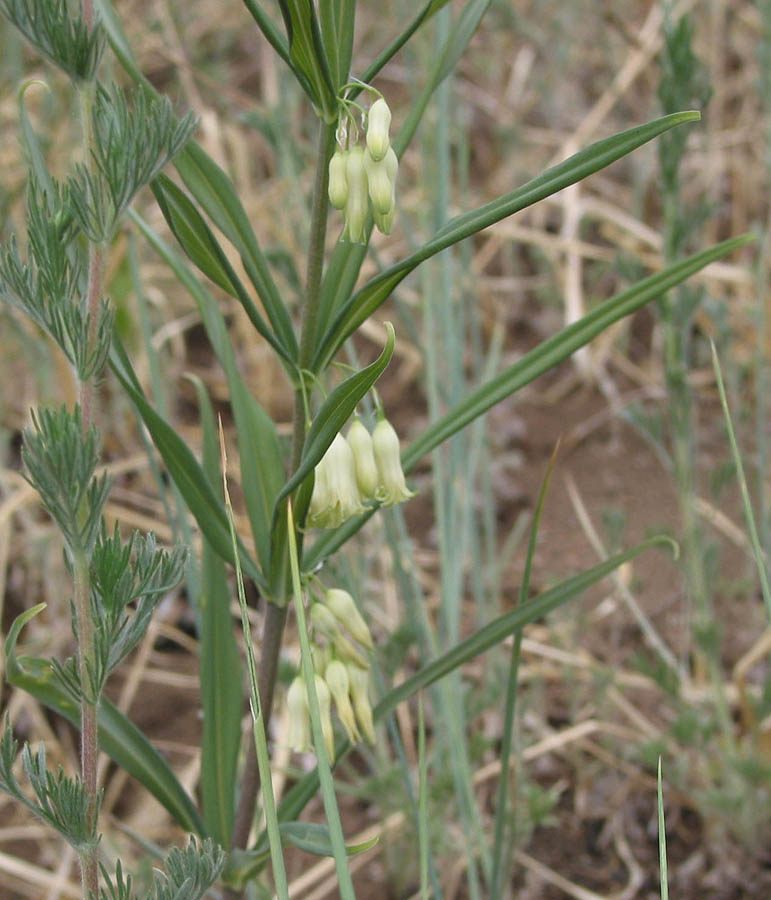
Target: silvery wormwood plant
326, 484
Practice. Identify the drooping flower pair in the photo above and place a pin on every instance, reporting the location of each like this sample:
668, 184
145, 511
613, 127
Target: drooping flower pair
365, 467
358, 177
341, 673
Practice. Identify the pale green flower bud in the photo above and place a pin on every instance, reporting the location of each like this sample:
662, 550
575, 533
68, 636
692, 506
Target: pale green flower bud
360, 442
356, 205
335, 496
342, 606
324, 622
393, 488
299, 716
384, 223
381, 191
338, 181
336, 677
358, 680
378, 124
325, 709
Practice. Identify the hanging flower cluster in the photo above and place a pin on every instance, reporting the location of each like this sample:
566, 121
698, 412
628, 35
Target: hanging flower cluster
341, 642
364, 467
359, 176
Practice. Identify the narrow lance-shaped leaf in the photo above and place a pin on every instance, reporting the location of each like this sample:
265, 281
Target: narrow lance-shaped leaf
482, 640
539, 360
183, 468
591, 159
216, 195
120, 739
262, 468
198, 242
308, 55
220, 667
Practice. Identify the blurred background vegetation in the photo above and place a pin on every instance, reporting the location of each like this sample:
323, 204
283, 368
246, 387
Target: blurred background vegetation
668, 658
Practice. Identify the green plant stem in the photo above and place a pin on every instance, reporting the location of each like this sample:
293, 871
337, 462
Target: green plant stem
89, 748
275, 614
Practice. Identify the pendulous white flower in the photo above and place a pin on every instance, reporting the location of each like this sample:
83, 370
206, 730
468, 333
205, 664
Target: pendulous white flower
392, 488
336, 677
360, 442
338, 180
342, 606
358, 680
378, 125
335, 496
356, 205
325, 624
299, 716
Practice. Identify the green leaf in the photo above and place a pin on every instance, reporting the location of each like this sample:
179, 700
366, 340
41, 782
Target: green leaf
220, 667
184, 469
337, 23
547, 354
262, 469
308, 55
479, 642
198, 242
216, 195
361, 305
552, 351
313, 837
334, 413
120, 739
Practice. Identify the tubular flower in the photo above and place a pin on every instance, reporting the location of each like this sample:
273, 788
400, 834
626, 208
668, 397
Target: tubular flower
342, 606
299, 716
356, 205
360, 442
392, 488
338, 180
325, 624
358, 680
378, 125
335, 496
336, 677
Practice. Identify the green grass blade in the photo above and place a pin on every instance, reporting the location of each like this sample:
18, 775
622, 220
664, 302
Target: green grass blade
757, 550
260, 740
423, 850
502, 804
270, 30
591, 159
183, 468
216, 195
479, 642
337, 19
120, 739
663, 879
345, 885
314, 837
220, 668
196, 239
262, 469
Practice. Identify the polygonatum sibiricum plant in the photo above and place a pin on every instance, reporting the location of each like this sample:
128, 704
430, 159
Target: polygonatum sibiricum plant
303, 502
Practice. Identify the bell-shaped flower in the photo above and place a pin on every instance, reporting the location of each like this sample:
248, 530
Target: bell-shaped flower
384, 223
378, 125
335, 496
356, 205
336, 677
299, 716
381, 181
392, 488
360, 442
342, 606
325, 624
358, 681
338, 180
